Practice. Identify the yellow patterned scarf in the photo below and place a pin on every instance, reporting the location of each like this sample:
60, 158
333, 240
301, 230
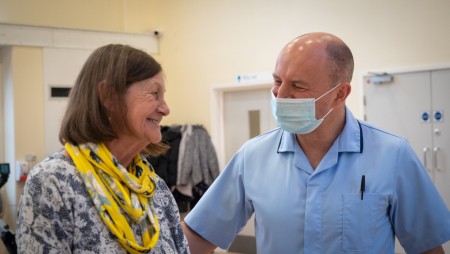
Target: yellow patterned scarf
112, 186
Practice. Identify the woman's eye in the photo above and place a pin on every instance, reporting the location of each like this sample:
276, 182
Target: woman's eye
156, 95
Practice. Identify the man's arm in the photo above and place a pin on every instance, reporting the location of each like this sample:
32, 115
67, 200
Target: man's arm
197, 244
437, 250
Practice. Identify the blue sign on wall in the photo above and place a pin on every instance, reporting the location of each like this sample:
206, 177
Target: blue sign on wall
425, 117
438, 116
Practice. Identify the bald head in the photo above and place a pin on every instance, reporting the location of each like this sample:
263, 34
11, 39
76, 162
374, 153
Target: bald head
338, 58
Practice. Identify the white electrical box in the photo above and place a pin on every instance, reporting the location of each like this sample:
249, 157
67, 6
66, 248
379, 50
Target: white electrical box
22, 171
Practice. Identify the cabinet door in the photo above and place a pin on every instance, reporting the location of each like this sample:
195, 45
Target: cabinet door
402, 107
440, 88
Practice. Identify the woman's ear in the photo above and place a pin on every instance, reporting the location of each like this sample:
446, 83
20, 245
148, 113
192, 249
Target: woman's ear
103, 95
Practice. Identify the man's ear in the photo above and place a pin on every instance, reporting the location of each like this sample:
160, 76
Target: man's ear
344, 91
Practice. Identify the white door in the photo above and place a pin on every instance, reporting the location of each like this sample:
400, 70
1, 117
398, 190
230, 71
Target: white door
247, 113
59, 75
1, 110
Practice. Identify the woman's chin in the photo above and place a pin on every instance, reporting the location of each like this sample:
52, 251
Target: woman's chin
155, 139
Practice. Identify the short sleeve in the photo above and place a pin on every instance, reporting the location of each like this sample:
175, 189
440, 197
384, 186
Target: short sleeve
223, 210
420, 217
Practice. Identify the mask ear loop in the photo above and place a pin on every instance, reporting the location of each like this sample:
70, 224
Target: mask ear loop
323, 117
329, 91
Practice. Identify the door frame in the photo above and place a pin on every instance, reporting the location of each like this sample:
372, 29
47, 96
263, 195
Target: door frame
217, 111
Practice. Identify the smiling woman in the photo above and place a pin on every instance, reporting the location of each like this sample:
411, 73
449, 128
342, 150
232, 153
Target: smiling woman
146, 107
100, 194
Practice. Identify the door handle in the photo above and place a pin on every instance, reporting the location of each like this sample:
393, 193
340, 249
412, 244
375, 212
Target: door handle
436, 159
425, 164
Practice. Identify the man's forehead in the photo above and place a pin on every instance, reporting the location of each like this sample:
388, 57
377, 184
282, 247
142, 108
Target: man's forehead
302, 44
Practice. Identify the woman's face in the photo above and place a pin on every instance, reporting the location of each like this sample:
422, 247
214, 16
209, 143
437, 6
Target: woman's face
146, 107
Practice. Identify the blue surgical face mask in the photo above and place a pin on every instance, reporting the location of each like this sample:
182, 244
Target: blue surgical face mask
297, 116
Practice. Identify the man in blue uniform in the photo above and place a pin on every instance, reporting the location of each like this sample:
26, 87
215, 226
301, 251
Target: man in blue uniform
324, 182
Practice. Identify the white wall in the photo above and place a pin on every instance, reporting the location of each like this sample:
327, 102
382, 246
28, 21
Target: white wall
8, 191
1, 110
210, 42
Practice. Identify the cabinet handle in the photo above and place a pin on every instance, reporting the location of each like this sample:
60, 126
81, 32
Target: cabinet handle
435, 155
425, 164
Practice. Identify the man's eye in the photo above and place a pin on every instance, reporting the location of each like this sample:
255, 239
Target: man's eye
299, 87
156, 95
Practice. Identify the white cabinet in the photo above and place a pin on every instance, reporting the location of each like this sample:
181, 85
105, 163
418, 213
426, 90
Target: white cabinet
416, 105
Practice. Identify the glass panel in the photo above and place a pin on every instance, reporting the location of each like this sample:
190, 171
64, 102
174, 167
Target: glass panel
254, 123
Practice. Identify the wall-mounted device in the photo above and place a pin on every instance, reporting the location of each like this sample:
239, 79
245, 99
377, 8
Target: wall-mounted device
22, 170
379, 78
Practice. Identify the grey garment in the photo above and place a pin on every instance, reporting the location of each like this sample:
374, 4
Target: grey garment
57, 215
198, 158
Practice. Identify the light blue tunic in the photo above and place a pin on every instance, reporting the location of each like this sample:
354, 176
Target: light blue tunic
301, 210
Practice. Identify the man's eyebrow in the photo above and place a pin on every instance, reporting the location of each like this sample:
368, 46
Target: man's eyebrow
298, 81
301, 82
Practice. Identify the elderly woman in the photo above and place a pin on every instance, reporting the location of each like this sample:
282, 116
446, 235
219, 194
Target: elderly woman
99, 194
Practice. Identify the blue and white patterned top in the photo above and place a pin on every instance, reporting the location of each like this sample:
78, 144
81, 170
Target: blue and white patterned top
57, 215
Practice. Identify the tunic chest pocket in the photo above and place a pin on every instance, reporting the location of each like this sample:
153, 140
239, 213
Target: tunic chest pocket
358, 220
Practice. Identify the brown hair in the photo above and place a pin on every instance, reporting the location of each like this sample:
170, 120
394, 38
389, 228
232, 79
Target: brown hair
339, 62
96, 110
339, 59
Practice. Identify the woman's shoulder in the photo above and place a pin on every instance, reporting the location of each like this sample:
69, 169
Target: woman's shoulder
54, 162
55, 169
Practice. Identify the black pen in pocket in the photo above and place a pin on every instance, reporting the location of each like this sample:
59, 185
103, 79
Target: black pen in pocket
363, 186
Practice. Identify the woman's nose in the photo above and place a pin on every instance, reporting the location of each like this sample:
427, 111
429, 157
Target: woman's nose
164, 109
